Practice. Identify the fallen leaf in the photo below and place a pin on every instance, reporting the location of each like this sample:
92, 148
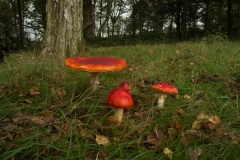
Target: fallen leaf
38, 120
186, 97
189, 135
139, 114
61, 93
180, 111
85, 133
191, 64
197, 125
177, 125
210, 125
192, 154
202, 116
214, 119
219, 132
101, 156
102, 140
112, 119
172, 132
10, 127
28, 101
155, 138
168, 152
34, 91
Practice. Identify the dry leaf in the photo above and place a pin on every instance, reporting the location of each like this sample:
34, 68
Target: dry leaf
186, 97
85, 133
219, 132
214, 119
192, 154
177, 125
168, 152
101, 156
34, 91
202, 116
191, 64
180, 111
172, 132
102, 140
61, 93
10, 127
139, 114
189, 135
38, 120
112, 119
28, 101
210, 125
155, 138
197, 125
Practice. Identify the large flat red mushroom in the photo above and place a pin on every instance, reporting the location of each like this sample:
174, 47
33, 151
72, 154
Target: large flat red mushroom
95, 65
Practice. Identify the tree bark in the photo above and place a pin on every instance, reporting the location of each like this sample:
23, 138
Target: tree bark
238, 22
206, 16
88, 18
64, 28
20, 23
229, 18
108, 13
184, 21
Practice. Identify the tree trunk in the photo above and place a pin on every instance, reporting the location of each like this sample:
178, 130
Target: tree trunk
229, 18
178, 19
88, 18
184, 21
238, 22
20, 23
108, 13
64, 28
206, 17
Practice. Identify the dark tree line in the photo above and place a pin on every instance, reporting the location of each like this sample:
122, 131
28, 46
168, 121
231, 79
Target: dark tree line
24, 21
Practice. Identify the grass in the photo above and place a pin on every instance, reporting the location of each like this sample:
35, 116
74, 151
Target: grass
47, 110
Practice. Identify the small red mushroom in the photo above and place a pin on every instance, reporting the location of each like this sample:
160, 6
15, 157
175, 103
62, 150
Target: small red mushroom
120, 99
95, 65
164, 88
126, 85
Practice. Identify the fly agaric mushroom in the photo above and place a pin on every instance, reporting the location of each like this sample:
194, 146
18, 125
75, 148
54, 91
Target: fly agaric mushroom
125, 85
120, 99
95, 65
164, 88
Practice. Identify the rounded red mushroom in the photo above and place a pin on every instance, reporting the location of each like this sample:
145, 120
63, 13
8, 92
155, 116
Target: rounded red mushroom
120, 99
126, 85
164, 88
95, 65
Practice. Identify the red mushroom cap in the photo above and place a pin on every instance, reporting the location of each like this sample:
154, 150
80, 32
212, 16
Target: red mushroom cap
95, 64
126, 85
165, 87
120, 98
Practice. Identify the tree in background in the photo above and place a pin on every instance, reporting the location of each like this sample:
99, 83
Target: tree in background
88, 18
64, 29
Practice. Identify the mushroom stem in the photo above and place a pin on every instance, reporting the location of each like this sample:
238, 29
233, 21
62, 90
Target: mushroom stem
161, 100
94, 80
118, 114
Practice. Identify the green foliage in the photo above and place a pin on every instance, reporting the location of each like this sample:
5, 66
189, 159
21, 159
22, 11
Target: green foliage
217, 37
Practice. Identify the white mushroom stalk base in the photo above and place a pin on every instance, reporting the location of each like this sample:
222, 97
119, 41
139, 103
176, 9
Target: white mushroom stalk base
94, 80
161, 99
118, 114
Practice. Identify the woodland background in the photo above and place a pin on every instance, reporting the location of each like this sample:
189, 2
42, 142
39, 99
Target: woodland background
122, 22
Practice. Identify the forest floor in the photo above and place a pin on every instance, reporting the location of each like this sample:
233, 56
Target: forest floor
48, 111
